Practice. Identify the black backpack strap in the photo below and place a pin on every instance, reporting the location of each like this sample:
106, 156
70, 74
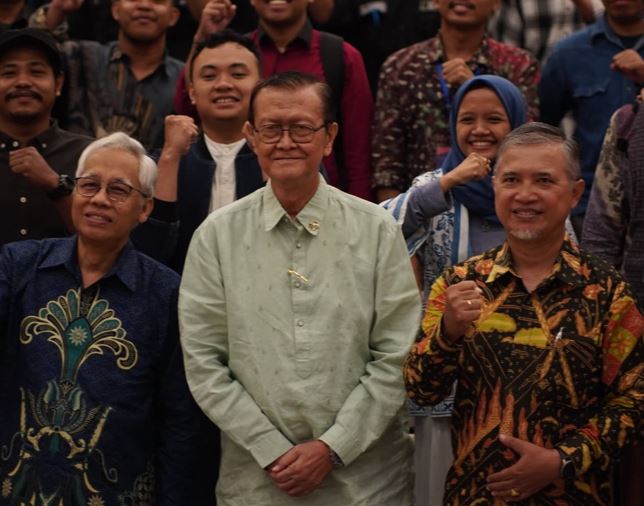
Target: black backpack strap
332, 57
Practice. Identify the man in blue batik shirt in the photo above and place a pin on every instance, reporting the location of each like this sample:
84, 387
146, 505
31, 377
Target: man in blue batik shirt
592, 73
94, 404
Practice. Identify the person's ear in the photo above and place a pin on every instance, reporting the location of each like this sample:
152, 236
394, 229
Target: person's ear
577, 191
249, 133
331, 133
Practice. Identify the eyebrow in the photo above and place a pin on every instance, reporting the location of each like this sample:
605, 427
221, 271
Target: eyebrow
211, 66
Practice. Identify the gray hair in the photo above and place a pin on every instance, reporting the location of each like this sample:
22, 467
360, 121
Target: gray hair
535, 133
123, 142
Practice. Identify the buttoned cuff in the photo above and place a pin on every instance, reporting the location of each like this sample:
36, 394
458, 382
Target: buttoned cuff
269, 448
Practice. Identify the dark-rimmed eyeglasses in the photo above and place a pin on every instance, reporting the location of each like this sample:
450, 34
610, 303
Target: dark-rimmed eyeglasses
271, 134
117, 191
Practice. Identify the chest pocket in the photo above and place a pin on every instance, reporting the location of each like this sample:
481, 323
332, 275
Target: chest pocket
588, 99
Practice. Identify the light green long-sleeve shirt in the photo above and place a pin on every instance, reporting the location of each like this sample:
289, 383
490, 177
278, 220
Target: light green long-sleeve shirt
295, 330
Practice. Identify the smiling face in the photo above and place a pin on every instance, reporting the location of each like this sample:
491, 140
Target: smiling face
466, 13
481, 123
288, 163
100, 220
28, 86
281, 13
534, 193
222, 80
144, 21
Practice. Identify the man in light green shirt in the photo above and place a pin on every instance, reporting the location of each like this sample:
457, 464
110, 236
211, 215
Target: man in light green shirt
297, 308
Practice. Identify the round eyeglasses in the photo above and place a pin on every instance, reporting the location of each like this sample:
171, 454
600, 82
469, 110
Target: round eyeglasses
271, 134
117, 191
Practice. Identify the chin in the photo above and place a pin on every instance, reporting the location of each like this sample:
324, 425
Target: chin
524, 234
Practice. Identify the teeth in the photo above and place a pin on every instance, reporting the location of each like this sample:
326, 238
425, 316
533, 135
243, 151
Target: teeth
225, 100
277, 2
96, 217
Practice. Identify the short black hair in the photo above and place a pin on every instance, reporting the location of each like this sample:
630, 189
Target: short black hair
219, 39
293, 81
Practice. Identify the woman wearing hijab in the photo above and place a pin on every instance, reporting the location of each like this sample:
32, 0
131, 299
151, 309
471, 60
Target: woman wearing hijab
446, 217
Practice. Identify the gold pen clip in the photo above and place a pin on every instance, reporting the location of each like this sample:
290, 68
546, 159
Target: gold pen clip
291, 272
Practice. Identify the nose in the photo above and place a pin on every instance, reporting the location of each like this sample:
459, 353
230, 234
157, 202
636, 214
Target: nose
525, 192
101, 198
285, 141
480, 126
23, 79
222, 82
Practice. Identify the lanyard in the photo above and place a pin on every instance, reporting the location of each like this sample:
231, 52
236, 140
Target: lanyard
445, 87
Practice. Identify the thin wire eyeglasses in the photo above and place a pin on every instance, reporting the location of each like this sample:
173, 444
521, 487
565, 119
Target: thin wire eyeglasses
117, 191
271, 134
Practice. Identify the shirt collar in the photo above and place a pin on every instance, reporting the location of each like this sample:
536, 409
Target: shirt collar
66, 254
437, 51
116, 54
41, 141
568, 267
305, 34
601, 28
310, 217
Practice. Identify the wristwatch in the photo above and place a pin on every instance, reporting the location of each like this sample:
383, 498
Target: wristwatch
567, 469
64, 188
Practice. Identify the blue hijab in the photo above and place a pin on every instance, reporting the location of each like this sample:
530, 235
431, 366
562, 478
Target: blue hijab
478, 196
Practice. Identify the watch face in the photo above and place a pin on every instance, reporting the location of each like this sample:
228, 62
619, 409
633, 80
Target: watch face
567, 469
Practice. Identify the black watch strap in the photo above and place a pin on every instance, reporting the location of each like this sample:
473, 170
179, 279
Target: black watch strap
567, 470
64, 188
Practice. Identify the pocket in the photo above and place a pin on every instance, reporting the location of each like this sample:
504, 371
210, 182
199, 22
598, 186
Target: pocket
588, 91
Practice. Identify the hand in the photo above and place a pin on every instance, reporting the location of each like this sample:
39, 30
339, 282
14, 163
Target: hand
463, 304
629, 63
180, 132
474, 168
66, 6
536, 468
301, 469
216, 16
29, 163
456, 72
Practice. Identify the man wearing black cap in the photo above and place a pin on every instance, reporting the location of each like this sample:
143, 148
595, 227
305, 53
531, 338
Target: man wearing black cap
37, 159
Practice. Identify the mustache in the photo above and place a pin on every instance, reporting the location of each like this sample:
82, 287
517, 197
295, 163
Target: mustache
22, 93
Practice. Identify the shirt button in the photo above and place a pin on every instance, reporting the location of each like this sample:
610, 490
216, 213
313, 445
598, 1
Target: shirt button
44, 145
3, 145
15, 144
298, 245
23, 231
300, 323
23, 200
297, 284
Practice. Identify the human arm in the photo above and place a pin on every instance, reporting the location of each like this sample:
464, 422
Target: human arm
431, 367
357, 114
375, 401
58, 10
525, 73
387, 134
607, 214
30, 164
204, 339
177, 421
555, 97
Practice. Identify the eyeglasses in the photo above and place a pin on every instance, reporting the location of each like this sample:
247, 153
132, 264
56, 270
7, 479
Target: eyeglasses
117, 191
271, 134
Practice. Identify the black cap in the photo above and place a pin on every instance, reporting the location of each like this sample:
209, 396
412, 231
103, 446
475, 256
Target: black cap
33, 37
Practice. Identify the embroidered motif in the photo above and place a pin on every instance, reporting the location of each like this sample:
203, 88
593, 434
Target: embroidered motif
59, 428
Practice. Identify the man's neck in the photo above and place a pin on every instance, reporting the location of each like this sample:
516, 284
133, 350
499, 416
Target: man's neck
533, 260
9, 11
626, 29
224, 132
459, 43
24, 133
282, 36
294, 197
95, 260
145, 58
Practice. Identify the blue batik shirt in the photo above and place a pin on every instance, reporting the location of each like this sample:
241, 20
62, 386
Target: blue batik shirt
94, 407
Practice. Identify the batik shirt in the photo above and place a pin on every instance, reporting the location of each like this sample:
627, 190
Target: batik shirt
94, 407
559, 367
410, 133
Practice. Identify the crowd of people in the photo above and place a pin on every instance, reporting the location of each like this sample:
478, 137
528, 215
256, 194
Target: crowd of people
321, 252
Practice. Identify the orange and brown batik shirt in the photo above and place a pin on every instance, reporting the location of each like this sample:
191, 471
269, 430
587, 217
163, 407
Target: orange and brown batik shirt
559, 367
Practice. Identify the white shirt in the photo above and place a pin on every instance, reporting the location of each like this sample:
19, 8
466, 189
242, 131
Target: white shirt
223, 183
